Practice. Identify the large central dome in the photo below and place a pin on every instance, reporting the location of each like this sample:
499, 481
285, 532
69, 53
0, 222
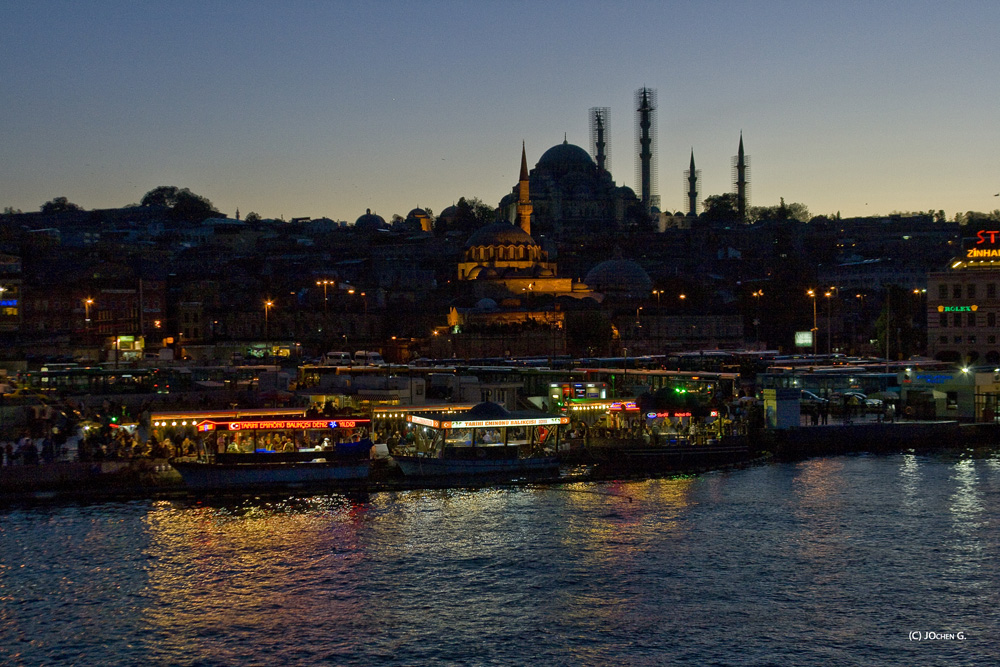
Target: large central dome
565, 156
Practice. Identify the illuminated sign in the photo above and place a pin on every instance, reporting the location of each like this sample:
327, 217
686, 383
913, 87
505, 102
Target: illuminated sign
957, 309
803, 338
664, 415
980, 247
489, 423
624, 405
933, 379
8, 303
282, 424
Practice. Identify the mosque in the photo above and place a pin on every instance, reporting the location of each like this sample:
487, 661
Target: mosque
505, 261
571, 195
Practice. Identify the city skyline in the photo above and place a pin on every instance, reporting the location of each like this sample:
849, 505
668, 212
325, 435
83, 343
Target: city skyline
329, 110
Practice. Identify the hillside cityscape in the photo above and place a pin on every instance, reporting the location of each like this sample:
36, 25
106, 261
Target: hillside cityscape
569, 262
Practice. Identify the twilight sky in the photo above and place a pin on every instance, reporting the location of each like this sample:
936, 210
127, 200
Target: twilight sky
317, 108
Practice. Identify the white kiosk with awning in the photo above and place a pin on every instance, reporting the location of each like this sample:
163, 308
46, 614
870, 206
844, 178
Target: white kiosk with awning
485, 440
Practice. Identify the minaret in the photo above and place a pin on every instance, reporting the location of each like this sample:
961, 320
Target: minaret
523, 200
692, 193
741, 173
646, 139
600, 132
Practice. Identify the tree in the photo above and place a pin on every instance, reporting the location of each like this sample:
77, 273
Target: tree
252, 217
184, 205
164, 195
472, 214
720, 208
60, 205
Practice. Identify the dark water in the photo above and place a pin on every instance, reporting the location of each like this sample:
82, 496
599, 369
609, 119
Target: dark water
825, 562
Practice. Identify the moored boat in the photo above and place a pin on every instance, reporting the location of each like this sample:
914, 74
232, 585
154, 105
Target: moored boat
261, 453
485, 441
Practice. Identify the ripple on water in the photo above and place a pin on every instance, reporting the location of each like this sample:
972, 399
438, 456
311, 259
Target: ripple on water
828, 561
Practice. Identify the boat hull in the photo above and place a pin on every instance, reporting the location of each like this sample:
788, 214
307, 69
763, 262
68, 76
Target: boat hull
231, 476
420, 466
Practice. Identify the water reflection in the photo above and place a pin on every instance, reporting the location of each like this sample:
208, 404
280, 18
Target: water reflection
231, 571
827, 561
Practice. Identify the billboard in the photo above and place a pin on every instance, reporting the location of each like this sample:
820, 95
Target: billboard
803, 338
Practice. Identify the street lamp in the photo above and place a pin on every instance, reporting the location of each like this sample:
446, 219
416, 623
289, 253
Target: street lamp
267, 307
812, 295
756, 321
87, 303
657, 292
829, 339
325, 284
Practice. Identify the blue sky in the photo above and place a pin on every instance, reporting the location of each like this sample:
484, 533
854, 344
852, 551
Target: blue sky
328, 108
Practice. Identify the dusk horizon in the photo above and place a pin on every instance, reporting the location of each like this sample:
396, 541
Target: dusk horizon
305, 111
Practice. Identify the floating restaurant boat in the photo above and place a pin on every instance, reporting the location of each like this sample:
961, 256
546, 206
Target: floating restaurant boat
487, 440
267, 452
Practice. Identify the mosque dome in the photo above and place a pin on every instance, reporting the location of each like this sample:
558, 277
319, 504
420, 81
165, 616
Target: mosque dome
622, 276
417, 213
370, 221
500, 234
486, 304
565, 157
449, 213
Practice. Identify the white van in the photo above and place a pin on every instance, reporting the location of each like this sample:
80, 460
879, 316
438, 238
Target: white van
366, 358
336, 359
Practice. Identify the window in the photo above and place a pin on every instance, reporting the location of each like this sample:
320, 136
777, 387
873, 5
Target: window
972, 340
957, 340
991, 290
991, 319
972, 319
942, 291
956, 291
943, 340
992, 340
943, 320
970, 290
957, 320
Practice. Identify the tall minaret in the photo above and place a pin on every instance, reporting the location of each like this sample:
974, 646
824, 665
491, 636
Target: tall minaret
692, 175
523, 200
600, 133
741, 175
646, 139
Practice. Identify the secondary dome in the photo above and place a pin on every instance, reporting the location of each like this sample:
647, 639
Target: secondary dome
370, 221
619, 276
500, 234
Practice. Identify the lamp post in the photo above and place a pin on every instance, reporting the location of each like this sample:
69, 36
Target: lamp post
829, 337
657, 292
267, 307
325, 284
756, 322
87, 303
812, 295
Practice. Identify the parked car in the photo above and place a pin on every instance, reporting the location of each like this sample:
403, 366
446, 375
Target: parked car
856, 399
809, 400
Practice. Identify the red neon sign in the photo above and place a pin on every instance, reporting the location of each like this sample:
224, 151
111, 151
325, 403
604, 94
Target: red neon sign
283, 424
